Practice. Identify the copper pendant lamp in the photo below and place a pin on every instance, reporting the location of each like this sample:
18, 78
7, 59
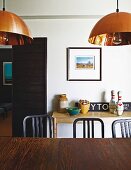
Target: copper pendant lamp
113, 29
13, 30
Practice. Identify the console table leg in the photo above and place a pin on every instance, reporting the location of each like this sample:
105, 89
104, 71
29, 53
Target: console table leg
55, 129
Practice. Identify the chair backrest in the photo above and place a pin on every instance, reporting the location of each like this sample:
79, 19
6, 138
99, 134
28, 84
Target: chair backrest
36, 124
123, 126
88, 127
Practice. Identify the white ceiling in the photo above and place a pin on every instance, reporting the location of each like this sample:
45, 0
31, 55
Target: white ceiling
65, 7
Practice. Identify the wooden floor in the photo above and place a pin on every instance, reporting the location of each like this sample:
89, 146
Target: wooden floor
6, 125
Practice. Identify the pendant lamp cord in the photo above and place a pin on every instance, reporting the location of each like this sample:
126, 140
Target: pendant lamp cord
117, 10
3, 5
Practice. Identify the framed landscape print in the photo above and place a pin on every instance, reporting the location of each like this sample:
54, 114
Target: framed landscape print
84, 64
7, 73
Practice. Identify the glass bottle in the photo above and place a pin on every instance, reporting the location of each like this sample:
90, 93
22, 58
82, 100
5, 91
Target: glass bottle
63, 103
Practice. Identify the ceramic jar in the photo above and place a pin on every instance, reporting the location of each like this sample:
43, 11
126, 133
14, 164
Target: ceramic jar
84, 106
63, 103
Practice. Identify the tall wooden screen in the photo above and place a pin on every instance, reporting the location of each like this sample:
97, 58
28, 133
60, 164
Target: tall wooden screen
29, 82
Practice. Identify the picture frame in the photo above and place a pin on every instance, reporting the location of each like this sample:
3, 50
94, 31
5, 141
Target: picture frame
7, 73
84, 64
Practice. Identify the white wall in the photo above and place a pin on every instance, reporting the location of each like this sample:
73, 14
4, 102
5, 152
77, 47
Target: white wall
74, 33
63, 33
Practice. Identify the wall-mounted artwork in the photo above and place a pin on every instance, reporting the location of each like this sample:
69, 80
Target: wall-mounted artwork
83, 64
7, 73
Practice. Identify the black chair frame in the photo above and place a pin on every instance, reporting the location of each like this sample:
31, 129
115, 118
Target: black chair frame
37, 124
90, 126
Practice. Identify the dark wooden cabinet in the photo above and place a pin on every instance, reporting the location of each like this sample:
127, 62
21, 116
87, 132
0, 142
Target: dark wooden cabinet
29, 82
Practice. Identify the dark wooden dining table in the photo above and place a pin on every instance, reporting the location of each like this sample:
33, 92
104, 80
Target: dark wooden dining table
64, 154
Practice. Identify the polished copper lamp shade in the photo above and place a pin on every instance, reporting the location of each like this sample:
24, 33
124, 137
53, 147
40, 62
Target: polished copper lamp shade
113, 29
13, 30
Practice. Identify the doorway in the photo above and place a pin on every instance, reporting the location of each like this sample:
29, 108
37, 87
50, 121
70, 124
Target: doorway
5, 90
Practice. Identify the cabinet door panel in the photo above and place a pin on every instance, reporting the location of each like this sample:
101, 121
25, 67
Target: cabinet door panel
29, 82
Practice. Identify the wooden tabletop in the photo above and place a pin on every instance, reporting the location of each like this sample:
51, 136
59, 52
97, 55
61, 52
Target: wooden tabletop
64, 154
66, 118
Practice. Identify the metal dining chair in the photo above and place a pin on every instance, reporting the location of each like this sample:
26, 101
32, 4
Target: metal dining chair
123, 127
88, 127
34, 125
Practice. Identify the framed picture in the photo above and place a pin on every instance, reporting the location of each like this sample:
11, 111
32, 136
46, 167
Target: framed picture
84, 64
7, 73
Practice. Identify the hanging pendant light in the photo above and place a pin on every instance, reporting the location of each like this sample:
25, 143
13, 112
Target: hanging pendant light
113, 29
13, 30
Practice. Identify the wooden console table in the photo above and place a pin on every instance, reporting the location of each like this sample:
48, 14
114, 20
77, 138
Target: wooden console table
66, 118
